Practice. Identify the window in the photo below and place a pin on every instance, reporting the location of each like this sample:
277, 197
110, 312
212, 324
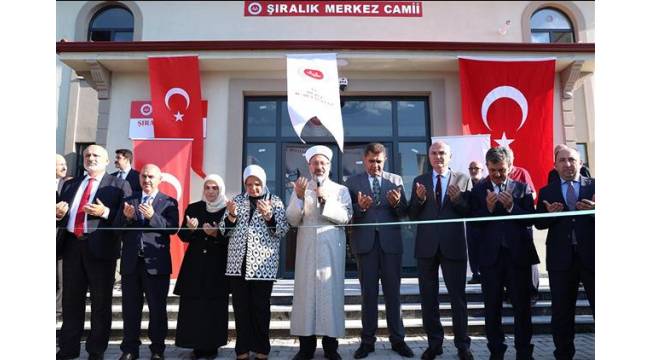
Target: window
113, 23
549, 25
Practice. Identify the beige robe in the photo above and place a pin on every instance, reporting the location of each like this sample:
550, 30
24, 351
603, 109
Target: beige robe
318, 296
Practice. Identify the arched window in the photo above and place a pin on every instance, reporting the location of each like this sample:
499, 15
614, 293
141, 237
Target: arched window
549, 25
113, 23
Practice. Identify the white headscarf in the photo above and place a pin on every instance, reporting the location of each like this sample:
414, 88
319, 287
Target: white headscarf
258, 172
220, 203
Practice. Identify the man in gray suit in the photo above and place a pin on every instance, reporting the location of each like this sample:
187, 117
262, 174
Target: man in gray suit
378, 196
442, 194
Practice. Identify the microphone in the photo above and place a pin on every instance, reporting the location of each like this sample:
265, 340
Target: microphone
319, 183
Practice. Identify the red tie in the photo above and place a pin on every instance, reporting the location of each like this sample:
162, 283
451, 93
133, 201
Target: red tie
79, 218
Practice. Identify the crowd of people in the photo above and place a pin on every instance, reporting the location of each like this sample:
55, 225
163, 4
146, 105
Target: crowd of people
234, 249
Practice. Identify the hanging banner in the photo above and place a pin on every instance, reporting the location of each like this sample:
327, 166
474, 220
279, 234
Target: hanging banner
313, 93
512, 100
173, 157
141, 119
465, 149
334, 8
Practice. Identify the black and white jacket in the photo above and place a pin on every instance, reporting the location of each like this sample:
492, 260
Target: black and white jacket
255, 238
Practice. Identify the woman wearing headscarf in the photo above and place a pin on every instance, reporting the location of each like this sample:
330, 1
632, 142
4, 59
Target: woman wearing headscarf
202, 284
254, 221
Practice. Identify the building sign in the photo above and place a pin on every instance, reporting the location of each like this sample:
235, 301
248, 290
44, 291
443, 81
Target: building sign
141, 119
334, 8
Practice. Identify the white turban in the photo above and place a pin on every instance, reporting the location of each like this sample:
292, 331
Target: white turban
220, 203
318, 150
257, 171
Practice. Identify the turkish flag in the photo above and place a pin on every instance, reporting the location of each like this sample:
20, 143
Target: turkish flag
513, 102
173, 158
176, 100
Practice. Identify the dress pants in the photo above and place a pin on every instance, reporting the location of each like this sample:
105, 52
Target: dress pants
59, 286
251, 301
454, 273
517, 280
564, 292
155, 288
85, 272
308, 345
473, 235
373, 266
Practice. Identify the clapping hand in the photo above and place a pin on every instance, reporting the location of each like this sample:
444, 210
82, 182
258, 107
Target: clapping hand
265, 208
210, 229
394, 196
192, 223
491, 200
421, 192
129, 211
95, 209
146, 210
454, 192
61, 209
364, 201
585, 204
553, 207
232, 210
300, 187
505, 198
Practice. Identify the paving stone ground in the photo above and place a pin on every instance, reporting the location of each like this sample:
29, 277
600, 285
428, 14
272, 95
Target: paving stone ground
282, 349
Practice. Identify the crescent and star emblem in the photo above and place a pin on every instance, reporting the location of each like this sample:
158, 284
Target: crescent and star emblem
173, 181
177, 91
504, 92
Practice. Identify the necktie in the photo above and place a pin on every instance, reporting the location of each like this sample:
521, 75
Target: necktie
145, 200
81, 215
376, 190
438, 192
571, 197
121, 174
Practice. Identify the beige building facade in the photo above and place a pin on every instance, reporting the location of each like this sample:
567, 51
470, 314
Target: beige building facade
396, 66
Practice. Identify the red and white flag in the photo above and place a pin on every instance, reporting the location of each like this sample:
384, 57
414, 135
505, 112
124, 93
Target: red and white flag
173, 158
176, 100
512, 100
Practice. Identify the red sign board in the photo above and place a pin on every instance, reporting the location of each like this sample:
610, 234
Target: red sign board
334, 8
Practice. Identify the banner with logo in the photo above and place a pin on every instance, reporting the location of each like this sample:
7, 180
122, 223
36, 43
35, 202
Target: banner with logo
313, 93
176, 101
512, 100
141, 119
173, 157
333, 8
465, 149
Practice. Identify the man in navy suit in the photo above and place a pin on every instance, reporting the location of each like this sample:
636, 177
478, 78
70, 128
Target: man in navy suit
123, 162
570, 246
89, 208
378, 196
442, 194
506, 252
146, 263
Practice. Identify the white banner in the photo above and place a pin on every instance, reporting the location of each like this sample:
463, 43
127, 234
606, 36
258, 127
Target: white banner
141, 120
465, 149
313, 91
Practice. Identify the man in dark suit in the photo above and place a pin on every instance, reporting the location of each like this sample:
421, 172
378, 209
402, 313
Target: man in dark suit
89, 205
146, 263
378, 196
506, 252
472, 234
123, 162
442, 194
570, 246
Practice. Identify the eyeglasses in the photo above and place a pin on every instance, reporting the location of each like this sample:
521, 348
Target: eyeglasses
475, 168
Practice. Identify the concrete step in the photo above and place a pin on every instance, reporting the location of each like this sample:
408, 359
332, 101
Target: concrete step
353, 311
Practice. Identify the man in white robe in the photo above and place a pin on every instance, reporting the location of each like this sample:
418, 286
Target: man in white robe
317, 206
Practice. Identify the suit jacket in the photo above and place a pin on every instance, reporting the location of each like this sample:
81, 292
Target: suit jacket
449, 237
163, 224
559, 250
363, 237
514, 233
133, 178
111, 192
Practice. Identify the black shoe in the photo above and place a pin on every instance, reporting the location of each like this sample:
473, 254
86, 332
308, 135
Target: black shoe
60, 356
465, 355
301, 356
476, 279
128, 356
496, 356
364, 350
332, 355
207, 354
95, 356
402, 349
156, 356
430, 354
